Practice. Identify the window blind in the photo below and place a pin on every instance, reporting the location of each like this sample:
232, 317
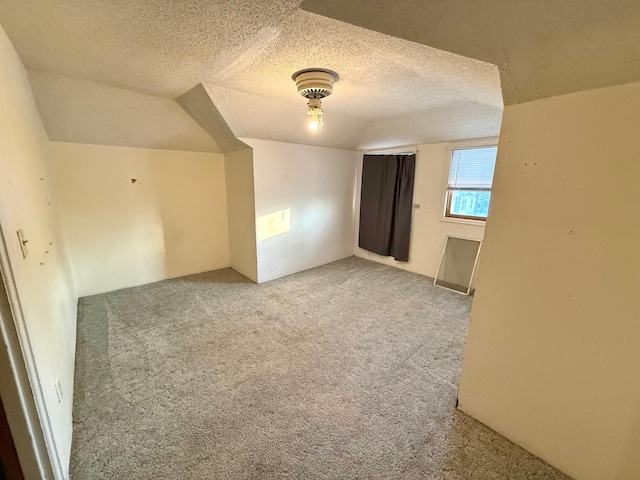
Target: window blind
472, 169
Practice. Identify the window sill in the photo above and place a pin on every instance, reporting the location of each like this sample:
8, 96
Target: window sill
477, 223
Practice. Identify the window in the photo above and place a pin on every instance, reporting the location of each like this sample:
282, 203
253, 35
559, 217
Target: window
470, 179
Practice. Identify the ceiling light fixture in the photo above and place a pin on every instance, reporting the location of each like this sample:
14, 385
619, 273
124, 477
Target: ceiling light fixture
315, 84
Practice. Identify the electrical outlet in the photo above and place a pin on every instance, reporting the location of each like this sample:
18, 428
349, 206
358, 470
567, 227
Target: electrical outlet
56, 383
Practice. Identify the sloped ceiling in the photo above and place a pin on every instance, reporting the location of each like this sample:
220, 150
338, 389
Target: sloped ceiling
543, 47
79, 111
85, 56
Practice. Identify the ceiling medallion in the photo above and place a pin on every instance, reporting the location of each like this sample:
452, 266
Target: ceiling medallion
315, 84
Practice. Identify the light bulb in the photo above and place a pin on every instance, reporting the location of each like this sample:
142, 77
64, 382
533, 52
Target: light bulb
315, 122
314, 110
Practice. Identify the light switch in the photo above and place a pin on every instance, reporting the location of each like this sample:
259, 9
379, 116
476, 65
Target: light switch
23, 243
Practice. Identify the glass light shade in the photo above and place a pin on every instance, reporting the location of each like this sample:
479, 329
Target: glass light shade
315, 122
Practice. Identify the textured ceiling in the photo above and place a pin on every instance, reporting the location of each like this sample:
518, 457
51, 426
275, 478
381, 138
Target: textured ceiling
380, 76
391, 91
543, 48
159, 47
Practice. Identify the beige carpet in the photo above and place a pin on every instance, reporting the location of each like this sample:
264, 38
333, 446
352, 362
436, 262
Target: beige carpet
348, 370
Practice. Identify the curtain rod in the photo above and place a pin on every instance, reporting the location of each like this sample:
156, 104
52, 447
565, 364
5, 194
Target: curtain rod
395, 150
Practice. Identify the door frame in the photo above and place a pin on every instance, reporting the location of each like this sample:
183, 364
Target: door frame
16, 365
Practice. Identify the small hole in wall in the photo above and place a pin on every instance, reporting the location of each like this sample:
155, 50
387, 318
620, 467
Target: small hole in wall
133, 180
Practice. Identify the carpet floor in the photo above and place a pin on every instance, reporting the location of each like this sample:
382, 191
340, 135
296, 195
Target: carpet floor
349, 370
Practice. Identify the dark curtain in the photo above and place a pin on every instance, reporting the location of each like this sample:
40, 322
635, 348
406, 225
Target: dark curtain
385, 204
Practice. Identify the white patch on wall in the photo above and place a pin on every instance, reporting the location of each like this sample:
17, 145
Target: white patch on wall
274, 224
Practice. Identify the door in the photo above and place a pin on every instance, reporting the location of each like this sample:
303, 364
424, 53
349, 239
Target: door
9, 464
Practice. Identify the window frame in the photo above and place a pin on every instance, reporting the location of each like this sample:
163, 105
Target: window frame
447, 216
447, 205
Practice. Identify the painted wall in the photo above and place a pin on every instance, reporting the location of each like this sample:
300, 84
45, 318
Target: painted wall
80, 111
134, 216
429, 229
241, 212
316, 186
47, 326
552, 354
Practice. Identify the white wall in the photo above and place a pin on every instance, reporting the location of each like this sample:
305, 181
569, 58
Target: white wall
428, 228
79, 111
553, 349
45, 290
317, 185
170, 222
241, 212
